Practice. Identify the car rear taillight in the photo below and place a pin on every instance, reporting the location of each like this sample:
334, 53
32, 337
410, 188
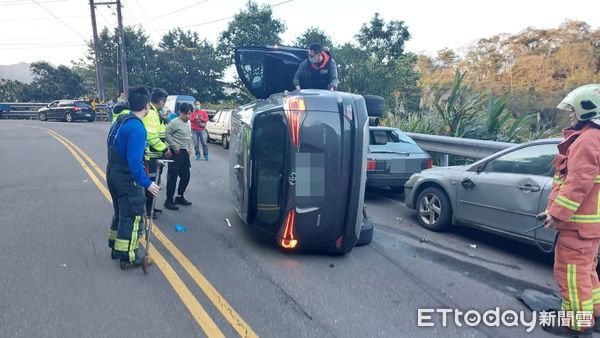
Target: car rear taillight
427, 164
289, 241
371, 165
294, 107
76, 109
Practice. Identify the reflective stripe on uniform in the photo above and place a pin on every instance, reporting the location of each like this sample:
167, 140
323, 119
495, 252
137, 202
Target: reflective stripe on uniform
585, 219
112, 235
567, 203
572, 290
134, 238
596, 296
121, 245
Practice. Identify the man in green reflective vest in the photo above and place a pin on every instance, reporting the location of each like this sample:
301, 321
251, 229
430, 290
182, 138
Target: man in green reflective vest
155, 141
119, 109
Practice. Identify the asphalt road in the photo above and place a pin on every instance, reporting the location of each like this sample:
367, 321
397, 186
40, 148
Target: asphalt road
57, 278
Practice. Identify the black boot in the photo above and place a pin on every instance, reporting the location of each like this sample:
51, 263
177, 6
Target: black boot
113, 254
169, 204
597, 323
181, 200
126, 265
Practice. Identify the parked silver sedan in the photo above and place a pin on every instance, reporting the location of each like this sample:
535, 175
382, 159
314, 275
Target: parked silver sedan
501, 193
393, 157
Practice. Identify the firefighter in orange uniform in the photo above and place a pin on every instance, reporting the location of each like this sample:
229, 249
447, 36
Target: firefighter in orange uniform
574, 211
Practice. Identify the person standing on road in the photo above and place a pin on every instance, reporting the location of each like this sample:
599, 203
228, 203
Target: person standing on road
319, 71
157, 148
127, 179
178, 135
199, 119
574, 211
118, 109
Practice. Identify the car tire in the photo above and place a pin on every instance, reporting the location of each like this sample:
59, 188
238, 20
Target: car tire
42, 117
226, 141
91, 119
366, 233
428, 201
69, 117
375, 105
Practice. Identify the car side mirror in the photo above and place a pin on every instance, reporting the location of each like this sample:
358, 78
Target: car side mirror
480, 168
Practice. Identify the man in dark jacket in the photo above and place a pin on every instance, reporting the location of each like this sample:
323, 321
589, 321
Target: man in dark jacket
127, 179
319, 71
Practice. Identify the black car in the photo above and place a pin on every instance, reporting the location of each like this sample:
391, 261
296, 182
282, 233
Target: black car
393, 158
298, 159
67, 110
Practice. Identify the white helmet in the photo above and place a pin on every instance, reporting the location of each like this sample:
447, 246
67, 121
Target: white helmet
584, 102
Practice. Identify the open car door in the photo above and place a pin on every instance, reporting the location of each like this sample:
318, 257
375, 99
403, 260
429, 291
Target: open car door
265, 70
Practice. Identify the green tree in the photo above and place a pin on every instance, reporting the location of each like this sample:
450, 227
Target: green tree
378, 64
253, 25
52, 83
12, 91
313, 35
188, 65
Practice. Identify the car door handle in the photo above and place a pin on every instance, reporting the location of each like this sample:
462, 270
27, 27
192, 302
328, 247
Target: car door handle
237, 167
529, 187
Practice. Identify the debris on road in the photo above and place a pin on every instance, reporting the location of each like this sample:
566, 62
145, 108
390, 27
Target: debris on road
228, 223
424, 240
331, 265
180, 228
63, 265
473, 246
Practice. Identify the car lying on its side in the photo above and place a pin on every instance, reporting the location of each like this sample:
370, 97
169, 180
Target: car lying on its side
501, 193
297, 159
393, 158
67, 110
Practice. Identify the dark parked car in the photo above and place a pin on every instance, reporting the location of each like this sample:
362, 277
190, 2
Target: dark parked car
393, 158
501, 193
67, 110
298, 159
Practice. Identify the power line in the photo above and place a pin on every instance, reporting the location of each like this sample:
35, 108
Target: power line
181, 9
229, 17
57, 18
4, 4
44, 18
145, 15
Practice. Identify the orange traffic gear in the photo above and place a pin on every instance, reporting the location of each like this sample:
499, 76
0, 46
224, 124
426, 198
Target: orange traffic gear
575, 202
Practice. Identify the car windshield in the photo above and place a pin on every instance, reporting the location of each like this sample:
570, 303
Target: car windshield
392, 141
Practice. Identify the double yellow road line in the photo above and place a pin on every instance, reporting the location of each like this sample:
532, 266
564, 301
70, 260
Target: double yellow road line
197, 311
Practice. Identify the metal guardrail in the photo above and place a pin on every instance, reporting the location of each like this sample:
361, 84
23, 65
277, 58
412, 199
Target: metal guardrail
459, 146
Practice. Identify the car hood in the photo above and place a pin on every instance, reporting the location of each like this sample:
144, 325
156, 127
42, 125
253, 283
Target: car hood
444, 171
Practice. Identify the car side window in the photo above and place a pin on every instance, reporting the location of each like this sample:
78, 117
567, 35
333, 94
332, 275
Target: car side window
53, 104
216, 117
65, 104
532, 160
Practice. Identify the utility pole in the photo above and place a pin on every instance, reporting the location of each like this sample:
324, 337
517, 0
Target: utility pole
99, 78
123, 58
124, 73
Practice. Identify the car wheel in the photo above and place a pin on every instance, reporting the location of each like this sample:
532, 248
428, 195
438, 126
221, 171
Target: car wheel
397, 189
226, 141
375, 105
68, 117
91, 119
43, 117
366, 233
434, 211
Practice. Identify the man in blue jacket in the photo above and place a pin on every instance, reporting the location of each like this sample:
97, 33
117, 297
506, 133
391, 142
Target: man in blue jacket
127, 179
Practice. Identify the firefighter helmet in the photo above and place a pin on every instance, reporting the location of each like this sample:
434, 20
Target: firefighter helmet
584, 102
